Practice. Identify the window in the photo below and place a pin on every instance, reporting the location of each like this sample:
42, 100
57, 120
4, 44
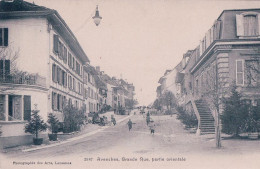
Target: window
73, 85
250, 25
70, 82
65, 55
73, 63
64, 102
247, 24
3, 36
239, 72
79, 88
60, 49
5, 69
55, 44
64, 78
54, 101
12, 110
54, 73
252, 72
69, 60
77, 68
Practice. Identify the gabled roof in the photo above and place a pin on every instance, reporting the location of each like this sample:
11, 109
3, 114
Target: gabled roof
22, 9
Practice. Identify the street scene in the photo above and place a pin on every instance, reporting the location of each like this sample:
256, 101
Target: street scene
129, 84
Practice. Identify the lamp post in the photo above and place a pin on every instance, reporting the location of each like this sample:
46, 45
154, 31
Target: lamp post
97, 18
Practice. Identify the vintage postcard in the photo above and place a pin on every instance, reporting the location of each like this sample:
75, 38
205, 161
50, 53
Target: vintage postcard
129, 84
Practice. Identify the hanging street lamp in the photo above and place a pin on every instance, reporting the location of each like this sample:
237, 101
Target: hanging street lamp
97, 18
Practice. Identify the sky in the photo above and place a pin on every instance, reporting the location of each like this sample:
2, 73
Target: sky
139, 40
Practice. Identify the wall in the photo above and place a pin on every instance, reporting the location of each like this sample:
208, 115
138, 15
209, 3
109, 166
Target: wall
29, 37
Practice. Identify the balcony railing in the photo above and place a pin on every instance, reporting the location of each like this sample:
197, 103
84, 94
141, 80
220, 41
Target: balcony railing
24, 79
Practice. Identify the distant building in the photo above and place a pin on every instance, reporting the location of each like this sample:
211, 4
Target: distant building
229, 53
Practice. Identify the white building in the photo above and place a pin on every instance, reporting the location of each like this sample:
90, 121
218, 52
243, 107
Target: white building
41, 63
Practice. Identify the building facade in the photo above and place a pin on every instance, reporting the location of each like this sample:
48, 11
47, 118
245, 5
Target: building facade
228, 54
41, 66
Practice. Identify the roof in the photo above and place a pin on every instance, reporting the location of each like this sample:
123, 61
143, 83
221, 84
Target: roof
99, 83
21, 9
229, 10
90, 69
161, 79
19, 5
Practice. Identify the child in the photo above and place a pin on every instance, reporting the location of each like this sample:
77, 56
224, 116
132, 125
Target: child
152, 128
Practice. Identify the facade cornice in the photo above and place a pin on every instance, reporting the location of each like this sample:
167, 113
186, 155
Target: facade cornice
222, 46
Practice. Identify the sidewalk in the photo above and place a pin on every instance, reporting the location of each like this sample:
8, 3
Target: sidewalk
88, 130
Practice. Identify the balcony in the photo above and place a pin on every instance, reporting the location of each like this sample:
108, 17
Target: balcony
24, 79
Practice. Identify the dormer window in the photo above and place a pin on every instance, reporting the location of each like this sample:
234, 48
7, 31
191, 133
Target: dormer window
248, 25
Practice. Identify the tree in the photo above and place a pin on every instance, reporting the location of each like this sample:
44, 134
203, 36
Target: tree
235, 114
54, 123
73, 118
168, 99
157, 104
36, 124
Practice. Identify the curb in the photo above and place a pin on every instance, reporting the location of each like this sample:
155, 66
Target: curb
74, 138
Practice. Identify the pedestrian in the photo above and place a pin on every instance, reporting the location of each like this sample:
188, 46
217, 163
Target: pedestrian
113, 120
148, 119
129, 123
152, 128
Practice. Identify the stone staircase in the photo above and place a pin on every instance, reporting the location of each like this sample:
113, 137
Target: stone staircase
207, 122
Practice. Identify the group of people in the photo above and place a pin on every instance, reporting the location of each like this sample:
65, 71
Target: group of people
149, 123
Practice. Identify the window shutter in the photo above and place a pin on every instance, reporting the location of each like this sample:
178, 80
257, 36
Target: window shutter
65, 79
27, 108
1, 69
240, 25
5, 36
65, 54
258, 17
53, 99
7, 68
53, 72
55, 43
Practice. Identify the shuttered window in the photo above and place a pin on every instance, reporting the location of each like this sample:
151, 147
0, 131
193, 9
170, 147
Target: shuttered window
3, 36
5, 66
56, 43
250, 25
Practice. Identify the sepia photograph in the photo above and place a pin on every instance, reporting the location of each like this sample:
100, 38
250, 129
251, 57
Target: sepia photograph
164, 84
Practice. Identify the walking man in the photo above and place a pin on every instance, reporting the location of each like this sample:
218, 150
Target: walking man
129, 123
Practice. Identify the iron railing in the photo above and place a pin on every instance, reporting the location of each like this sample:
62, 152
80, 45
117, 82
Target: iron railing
34, 79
